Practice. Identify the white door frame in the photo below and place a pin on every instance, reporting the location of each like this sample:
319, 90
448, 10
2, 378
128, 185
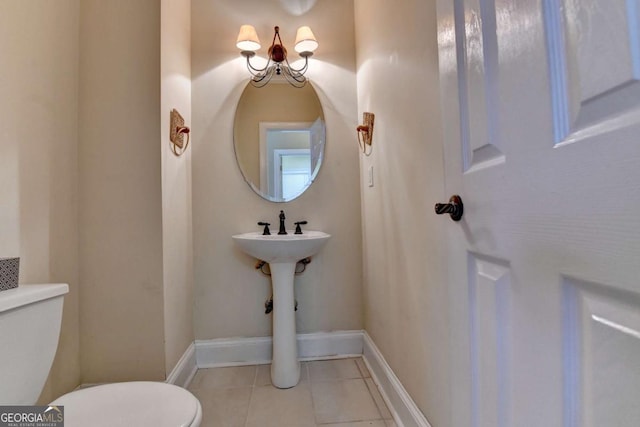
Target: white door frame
277, 166
264, 127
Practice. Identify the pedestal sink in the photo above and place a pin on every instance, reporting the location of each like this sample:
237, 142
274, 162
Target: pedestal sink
282, 252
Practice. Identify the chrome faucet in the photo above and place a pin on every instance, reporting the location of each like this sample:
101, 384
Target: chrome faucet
282, 229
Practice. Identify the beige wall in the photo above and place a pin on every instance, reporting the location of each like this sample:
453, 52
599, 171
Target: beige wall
120, 195
38, 142
177, 243
230, 293
405, 295
91, 72
89, 116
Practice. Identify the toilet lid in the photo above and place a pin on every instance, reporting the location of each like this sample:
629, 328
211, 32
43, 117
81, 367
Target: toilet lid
131, 404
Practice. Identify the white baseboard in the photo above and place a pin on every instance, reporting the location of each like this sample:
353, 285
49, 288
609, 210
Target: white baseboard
185, 369
315, 346
330, 345
257, 351
404, 410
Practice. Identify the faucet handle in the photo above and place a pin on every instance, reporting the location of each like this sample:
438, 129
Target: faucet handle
298, 229
266, 231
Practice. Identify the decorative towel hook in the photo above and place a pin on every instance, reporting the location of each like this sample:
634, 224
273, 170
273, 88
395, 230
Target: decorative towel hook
177, 131
365, 133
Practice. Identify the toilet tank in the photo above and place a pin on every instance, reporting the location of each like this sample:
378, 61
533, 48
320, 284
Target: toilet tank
30, 319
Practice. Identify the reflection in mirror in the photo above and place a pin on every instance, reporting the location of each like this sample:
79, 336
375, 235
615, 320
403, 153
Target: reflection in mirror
279, 137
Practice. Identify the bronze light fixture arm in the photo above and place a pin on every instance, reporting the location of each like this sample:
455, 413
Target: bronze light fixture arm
264, 78
260, 74
261, 77
294, 77
253, 70
303, 69
277, 62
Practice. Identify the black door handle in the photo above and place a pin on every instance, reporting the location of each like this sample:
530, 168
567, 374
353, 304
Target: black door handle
455, 208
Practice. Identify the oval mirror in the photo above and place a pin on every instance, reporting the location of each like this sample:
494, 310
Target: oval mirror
279, 136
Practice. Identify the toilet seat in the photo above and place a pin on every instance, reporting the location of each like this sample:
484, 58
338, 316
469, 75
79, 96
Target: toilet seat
129, 404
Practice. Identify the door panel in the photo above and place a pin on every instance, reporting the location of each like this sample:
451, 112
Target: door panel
602, 329
541, 117
489, 340
316, 138
477, 82
594, 56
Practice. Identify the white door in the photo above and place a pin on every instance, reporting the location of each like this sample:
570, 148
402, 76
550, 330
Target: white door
541, 113
316, 138
291, 172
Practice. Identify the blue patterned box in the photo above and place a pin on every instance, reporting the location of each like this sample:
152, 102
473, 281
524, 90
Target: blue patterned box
9, 270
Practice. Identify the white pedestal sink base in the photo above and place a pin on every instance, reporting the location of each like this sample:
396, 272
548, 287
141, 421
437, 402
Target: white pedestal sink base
282, 252
285, 368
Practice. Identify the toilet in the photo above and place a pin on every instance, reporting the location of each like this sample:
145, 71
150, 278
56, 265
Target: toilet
30, 319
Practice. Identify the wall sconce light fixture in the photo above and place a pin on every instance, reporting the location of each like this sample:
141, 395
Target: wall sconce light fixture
365, 133
277, 63
177, 131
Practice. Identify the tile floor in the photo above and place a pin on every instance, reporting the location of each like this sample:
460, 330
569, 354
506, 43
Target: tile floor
331, 393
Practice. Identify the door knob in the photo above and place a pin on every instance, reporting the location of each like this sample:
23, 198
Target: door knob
455, 208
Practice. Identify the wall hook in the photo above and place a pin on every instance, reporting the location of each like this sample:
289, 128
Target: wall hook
365, 133
177, 131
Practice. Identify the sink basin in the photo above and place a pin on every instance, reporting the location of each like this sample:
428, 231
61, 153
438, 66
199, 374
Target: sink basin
277, 248
282, 253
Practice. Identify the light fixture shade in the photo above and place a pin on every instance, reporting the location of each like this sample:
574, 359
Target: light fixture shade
305, 40
248, 39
